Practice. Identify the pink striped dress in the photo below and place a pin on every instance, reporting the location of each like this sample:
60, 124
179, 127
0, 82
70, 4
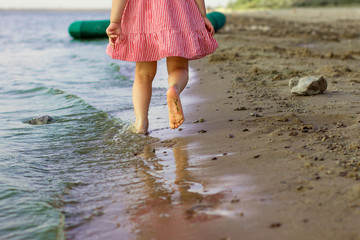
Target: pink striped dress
155, 29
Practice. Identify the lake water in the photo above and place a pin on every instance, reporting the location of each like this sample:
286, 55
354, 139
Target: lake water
55, 179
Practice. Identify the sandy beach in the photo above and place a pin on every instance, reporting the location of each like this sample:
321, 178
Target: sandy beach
253, 161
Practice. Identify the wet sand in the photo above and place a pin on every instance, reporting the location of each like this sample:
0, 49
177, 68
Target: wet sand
251, 160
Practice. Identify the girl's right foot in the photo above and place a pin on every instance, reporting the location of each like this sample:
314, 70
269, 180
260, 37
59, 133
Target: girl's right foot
176, 115
141, 127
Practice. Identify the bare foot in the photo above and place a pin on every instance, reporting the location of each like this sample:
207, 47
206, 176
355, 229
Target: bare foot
141, 127
176, 115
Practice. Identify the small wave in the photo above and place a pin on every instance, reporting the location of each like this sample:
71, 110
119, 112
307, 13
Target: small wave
26, 91
66, 162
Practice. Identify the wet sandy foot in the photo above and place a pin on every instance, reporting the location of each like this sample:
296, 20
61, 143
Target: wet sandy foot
176, 116
141, 127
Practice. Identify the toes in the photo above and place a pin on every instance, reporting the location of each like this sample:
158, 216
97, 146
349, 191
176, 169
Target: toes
177, 123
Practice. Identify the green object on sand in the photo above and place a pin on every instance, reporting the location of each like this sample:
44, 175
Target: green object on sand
97, 28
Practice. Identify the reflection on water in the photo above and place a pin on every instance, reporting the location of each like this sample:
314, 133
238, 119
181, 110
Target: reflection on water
160, 178
183, 177
170, 201
132, 198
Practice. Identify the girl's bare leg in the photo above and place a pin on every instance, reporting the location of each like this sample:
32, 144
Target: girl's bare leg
178, 70
142, 90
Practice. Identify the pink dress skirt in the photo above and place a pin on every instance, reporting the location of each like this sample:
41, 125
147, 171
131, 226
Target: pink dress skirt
155, 29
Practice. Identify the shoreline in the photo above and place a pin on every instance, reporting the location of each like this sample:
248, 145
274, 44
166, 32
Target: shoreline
264, 163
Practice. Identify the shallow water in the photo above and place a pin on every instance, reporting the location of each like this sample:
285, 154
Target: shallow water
58, 177
85, 175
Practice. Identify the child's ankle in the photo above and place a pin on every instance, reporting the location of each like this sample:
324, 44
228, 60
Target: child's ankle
141, 125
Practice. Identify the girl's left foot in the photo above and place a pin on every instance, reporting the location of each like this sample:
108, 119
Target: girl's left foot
176, 115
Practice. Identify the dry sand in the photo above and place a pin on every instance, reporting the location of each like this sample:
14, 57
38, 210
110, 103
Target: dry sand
253, 161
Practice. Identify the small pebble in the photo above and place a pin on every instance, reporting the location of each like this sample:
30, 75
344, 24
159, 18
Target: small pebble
164, 215
317, 177
308, 164
240, 109
275, 225
40, 120
299, 188
201, 120
255, 115
231, 136
202, 131
256, 156
340, 125
293, 133
214, 158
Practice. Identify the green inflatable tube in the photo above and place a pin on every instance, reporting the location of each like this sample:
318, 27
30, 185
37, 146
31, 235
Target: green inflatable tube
97, 28
89, 29
217, 19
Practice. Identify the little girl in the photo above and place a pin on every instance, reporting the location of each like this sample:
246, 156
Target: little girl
145, 31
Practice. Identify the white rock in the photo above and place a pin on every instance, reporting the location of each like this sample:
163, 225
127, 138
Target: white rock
306, 86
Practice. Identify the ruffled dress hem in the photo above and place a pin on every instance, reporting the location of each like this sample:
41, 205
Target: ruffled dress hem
139, 47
